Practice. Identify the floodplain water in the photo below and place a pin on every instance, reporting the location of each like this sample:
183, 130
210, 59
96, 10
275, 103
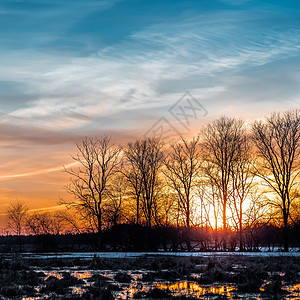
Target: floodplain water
154, 276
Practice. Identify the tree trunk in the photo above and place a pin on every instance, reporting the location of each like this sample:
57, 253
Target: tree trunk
99, 225
188, 240
241, 238
224, 226
137, 211
241, 227
285, 232
188, 218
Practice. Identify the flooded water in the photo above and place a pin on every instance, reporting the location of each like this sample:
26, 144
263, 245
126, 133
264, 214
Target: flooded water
157, 277
82, 275
294, 291
178, 288
192, 289
53, 274
90, 255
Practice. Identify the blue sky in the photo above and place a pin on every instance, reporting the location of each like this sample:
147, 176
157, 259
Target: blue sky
67, 65
85, 67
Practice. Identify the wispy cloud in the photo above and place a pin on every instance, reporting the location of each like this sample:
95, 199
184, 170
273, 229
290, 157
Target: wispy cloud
38, 172
152, 66
75, 68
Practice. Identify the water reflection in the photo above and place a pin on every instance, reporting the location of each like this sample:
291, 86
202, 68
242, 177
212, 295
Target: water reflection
182, 288
185, 288
264, 285
294, 291
135, 286
78, 291
82, 275
53, 274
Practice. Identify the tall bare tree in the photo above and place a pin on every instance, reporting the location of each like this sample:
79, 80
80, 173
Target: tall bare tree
212, 191
182, 172
42, 223
241, 184
16, 213
113, 208
166, 209
131, 170
222, 141
146, 158
277, 140
71, 222
209, 195
90, 183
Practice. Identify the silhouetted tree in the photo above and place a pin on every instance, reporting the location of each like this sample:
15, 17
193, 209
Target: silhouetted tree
114, 206
16, 213
131, 170
209, 195
222, 141
97, 160
242, 183
167, 208
182, 172
41, 223
146, 159
277, 140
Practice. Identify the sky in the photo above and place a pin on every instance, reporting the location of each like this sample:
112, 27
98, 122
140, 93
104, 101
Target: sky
126, 68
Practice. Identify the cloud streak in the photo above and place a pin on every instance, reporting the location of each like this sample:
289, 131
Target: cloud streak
76, 68
38, 172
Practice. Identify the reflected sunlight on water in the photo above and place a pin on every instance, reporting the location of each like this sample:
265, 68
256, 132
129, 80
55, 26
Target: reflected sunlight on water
263, 287
182, 288
78, 291
54, 274
82, 275
133, 288
185, 288
108, 274
294, 291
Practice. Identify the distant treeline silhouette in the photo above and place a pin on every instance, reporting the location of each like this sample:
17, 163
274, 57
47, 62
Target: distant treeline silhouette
130, 237
233, 186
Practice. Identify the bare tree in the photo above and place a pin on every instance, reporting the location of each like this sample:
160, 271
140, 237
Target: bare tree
241, 183
212, 191
167, 208
113, 208
16, 213
222, 141
145, 158
209, 195
277, 140
71, 222
131, 170
257, 215
182, 171
257, 212
43, 223
90, 183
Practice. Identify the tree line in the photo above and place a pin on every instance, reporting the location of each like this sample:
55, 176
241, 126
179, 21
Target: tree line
231, 177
